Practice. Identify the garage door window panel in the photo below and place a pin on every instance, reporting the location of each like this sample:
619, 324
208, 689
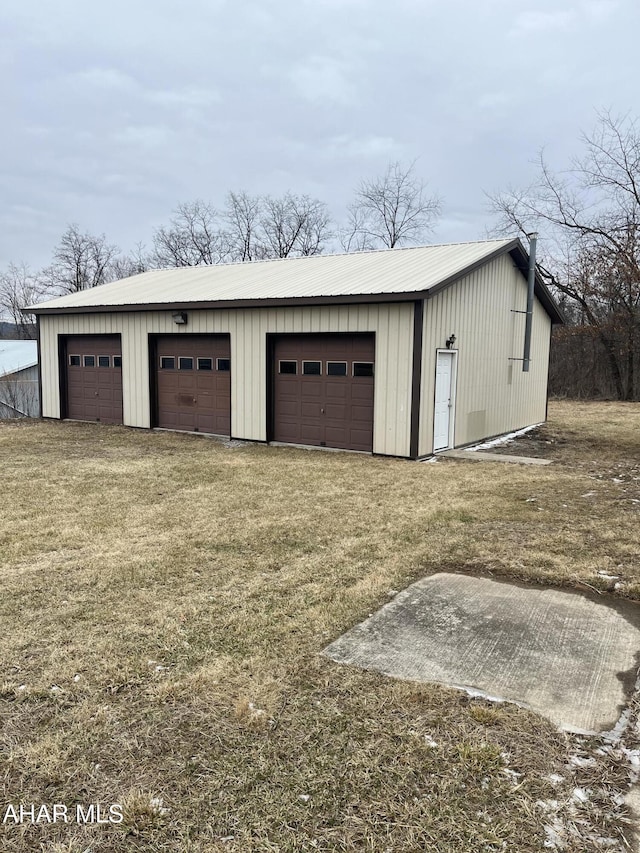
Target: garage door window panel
288, 367
336, 368
363, 369
89, 361
223, 365
104, 361
312, 368
185, 363
205, 364
167, 362
74, 361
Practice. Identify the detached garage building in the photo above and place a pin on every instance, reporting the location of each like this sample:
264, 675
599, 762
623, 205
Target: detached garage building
401, 352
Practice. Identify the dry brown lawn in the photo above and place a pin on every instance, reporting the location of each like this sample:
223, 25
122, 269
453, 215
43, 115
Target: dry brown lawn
165, 600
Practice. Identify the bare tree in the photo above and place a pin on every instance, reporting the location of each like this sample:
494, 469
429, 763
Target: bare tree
242, 214
256, 227
80, 261
19, 287
390, 211
589, 216
293, 225
193, 238
136, 262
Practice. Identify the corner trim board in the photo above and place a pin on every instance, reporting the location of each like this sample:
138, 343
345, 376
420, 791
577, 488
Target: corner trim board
39, 357
416, 376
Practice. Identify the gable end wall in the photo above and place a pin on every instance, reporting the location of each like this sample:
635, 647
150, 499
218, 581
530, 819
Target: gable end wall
493, 394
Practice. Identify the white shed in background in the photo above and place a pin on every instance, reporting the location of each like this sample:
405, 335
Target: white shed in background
19, 394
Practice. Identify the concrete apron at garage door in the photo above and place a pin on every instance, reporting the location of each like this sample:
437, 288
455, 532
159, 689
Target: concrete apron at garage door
568, 656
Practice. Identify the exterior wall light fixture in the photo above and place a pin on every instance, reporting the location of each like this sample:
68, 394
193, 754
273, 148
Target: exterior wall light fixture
450, 341
180, 318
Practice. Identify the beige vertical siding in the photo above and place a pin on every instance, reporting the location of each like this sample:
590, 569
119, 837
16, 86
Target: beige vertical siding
391, 323
493, 395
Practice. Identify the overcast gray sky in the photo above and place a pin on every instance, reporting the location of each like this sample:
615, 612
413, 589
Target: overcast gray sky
113, 113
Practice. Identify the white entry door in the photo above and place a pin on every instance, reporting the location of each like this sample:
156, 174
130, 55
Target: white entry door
443, 412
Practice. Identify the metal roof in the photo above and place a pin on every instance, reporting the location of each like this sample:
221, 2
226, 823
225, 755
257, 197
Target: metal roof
384, 273
17, 355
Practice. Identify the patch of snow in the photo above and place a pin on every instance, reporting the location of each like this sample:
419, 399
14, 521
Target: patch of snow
160, 668
588, 495
157, 806
581, 795
633, 757
502, 439
608, 577
512, 775
255, 712
76, 678
430, 741
548, 805
578, 761
555, 835
304, 797
555, 778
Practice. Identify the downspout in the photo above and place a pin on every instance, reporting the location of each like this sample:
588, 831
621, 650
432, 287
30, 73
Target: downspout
526, 356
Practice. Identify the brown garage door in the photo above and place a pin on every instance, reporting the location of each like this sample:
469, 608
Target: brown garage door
323, 390
94, 378
194, 383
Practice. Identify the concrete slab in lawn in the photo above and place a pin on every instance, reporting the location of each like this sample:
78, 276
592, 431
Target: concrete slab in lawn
570, 657
482, 456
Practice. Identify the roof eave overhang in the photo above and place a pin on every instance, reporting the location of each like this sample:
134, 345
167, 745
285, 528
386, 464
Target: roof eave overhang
521, 260
271, 302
